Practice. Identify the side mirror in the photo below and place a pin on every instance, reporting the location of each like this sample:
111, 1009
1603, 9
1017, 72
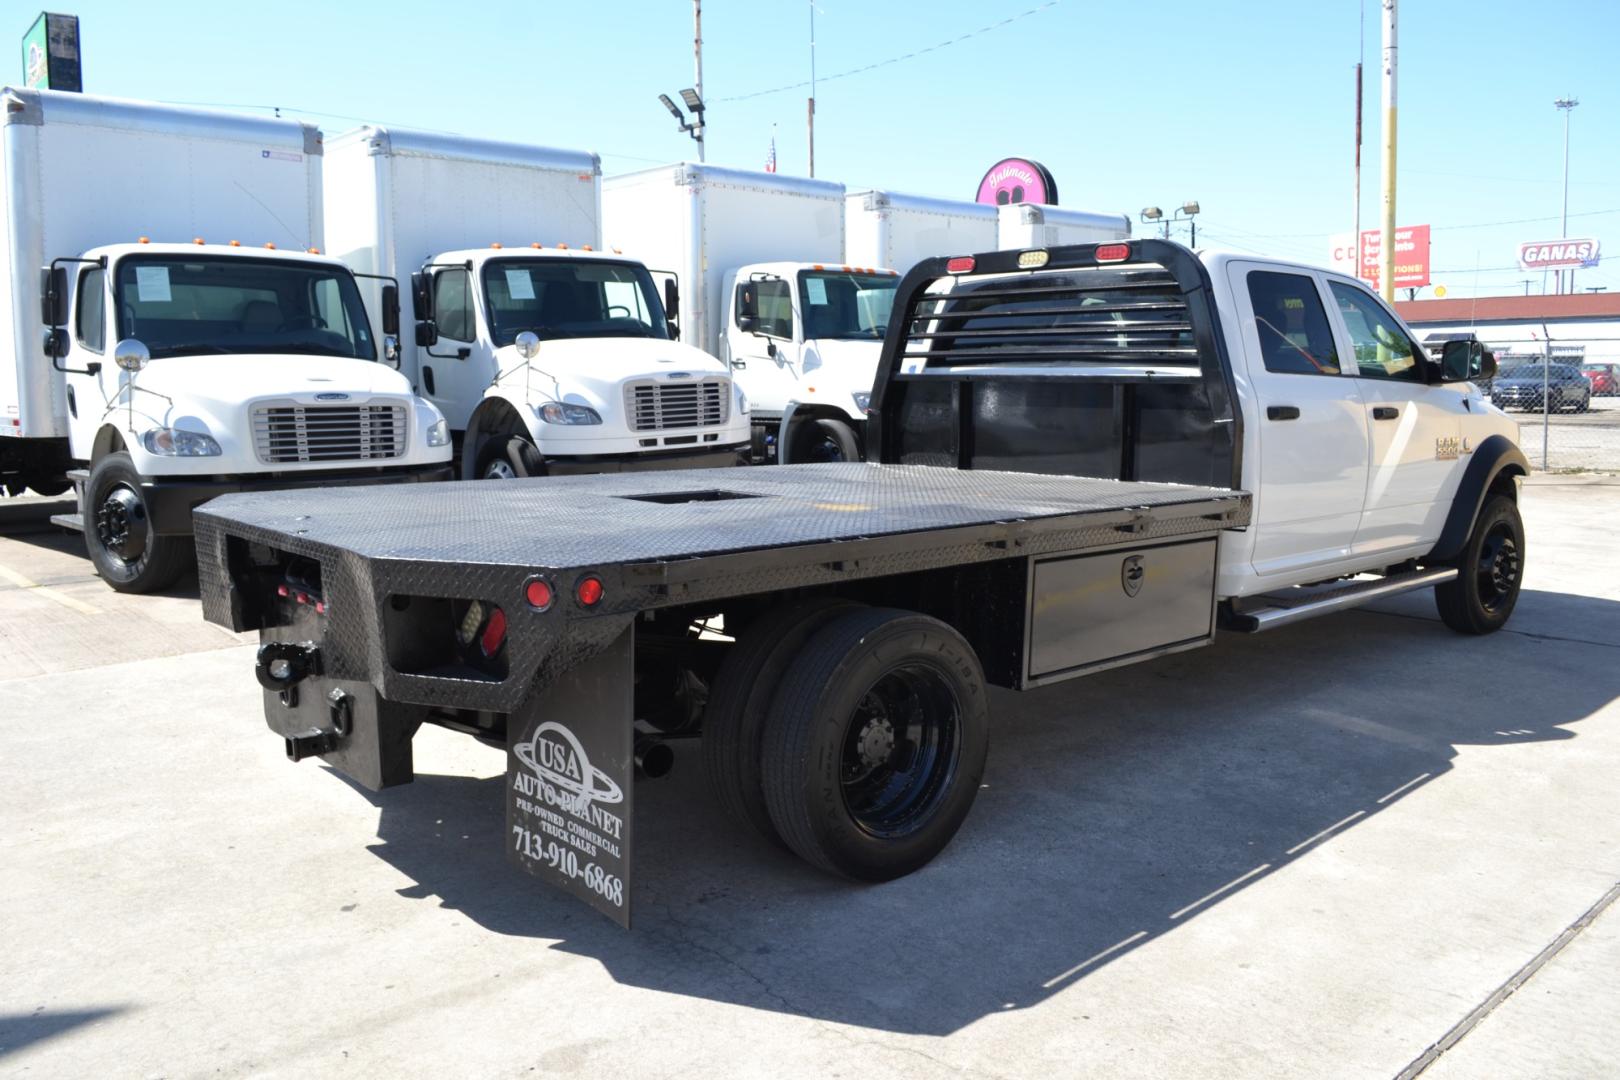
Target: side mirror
672, 298
131, 355
56, 342
391, 349
674, 329
421, 295
390, 310
1461, 361
427, 334
747, 306
528, 344
748, 324
1487, 366
53, 295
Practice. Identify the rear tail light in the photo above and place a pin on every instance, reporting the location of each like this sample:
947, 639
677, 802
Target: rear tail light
494, 635
1113, 252
538, 593
962, 264
589, 591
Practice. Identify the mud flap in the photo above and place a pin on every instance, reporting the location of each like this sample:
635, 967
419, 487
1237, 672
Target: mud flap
569, 771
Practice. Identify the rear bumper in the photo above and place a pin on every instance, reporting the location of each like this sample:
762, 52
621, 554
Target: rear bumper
170, 502
705, 457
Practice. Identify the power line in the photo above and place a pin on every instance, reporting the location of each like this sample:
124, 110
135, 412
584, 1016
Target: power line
894, 59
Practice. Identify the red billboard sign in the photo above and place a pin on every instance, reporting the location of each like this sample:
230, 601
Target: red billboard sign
1411, 256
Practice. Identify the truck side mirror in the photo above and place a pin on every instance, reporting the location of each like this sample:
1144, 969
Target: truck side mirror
672, 298
421, 295
748, 324
1487, 366
1461, 361
53, 295
390, 310
427, 334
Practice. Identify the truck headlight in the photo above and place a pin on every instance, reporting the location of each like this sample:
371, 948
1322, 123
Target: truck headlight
558, 412
439, 434
178, 442
862, 400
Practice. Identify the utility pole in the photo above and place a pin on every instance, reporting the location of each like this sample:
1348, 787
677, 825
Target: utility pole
697, 61
1355, 235
810, 114
1386, 252
1565, 105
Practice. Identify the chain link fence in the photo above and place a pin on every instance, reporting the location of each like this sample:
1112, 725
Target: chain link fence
1564, 392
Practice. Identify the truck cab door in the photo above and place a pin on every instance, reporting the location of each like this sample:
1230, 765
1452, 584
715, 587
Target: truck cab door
763, 351
455, 369
1414, 429
1311, 473
92, 330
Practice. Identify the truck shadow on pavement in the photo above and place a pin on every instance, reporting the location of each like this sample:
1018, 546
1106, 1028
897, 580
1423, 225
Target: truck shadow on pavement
1116, 808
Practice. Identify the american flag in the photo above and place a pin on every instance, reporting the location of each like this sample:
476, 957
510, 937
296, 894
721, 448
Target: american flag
770, 161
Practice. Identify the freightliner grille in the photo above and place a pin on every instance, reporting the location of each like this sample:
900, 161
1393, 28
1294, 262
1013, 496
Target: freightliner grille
659, 406
287, 433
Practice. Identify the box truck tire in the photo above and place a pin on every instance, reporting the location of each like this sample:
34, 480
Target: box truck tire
118, 533
509, 457
875, 744
823, 440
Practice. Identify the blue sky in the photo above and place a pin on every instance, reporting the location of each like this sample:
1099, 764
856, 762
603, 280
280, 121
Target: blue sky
1246, 106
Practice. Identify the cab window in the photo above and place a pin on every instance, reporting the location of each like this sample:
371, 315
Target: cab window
452, 305
775, 306
1295, 337
1383, 351
90, 323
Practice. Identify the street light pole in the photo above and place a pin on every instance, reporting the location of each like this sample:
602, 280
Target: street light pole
1565, 105
697, 61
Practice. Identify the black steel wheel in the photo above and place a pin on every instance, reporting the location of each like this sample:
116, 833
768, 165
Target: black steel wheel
823, 441
1490, 572
118, 535
734, 717
875, 744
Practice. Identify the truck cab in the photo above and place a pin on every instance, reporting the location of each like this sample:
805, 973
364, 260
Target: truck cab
559, 360
803, 339
194, 370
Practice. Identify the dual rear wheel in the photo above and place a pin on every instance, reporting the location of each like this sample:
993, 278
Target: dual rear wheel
854, 736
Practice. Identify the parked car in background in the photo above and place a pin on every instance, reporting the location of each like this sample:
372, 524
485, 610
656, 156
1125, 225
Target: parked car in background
1604, 379
1522, 387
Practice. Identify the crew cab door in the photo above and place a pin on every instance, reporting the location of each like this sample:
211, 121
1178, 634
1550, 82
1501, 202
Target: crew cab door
456, 369
1414, 429
1311, 473
764, 361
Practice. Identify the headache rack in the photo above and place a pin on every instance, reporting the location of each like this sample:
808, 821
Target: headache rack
1053, 360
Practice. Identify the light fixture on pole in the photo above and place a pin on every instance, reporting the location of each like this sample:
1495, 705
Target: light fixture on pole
693, 127
1187, 211
1152, 214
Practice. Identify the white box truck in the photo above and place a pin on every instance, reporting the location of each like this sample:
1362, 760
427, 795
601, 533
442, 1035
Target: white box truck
546, 354
1036, 225
897, 231
766, 288
172, 330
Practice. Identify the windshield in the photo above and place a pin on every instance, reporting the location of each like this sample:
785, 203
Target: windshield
846, 305
558, 298
181, 306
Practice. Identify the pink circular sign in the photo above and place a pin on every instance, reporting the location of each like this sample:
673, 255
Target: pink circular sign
1017, 180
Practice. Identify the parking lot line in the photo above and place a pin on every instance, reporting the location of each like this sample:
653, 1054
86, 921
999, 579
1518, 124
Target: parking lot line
22, 581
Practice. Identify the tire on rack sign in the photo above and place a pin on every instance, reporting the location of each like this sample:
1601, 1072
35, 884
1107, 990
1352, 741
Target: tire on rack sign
734, 717
1490, 569
118, 534
875, 743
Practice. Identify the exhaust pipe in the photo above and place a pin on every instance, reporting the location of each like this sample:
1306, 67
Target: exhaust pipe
653, 757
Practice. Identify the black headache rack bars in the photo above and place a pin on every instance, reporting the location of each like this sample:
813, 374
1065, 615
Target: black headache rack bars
1101, 360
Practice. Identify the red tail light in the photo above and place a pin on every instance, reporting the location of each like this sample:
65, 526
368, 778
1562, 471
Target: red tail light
589, 591
1113, 252
962, 264
538, 593
494, 633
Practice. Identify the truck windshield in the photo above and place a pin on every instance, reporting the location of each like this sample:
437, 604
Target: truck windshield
846, 305
560, 298
184, 306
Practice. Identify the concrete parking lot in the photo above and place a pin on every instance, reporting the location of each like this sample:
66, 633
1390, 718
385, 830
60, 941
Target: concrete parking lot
1335, 850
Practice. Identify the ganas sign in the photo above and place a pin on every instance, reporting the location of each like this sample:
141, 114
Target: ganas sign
1557, 254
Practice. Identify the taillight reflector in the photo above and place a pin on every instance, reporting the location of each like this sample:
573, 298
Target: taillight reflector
538, 593
494, 633
589, 591
962, 264
1113, 252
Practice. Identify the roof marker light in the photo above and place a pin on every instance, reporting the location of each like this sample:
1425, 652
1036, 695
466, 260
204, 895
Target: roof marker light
197, 240
1030, 260
564, 247
536, 245
818, 266
496, 245
236, 243
1113, 252
144, 240
314, 251
271, 246
962, 264
586, 247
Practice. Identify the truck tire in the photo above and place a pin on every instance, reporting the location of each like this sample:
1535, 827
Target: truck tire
127, 554
824, 440
509, 457
1490, 569
875, 744
734, 718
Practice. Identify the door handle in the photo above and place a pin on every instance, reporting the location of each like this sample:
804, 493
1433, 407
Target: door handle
1385, 412
739, 364
1282, 412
